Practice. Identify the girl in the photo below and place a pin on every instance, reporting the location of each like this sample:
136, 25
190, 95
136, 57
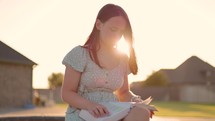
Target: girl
97, 72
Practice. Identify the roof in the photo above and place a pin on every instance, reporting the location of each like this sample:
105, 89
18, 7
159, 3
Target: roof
193, 70
9, 55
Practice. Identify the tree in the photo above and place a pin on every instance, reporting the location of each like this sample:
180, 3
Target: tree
55, 80
156, 79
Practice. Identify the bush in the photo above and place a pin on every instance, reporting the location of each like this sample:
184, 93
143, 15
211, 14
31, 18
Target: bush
156, 79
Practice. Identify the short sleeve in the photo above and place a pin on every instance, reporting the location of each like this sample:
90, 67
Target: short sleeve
76, 58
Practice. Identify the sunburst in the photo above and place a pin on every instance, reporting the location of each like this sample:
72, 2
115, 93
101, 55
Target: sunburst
122, 46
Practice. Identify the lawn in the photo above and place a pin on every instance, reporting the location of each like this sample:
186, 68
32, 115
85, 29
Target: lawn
182, 109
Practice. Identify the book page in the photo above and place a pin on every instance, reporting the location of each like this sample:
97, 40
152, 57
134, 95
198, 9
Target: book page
117, 110
114, 107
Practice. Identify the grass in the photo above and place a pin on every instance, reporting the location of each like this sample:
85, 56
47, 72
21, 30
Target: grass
64, 105
182, 109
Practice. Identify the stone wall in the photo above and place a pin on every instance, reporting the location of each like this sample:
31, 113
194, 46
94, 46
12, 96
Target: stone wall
15, 85
48, 94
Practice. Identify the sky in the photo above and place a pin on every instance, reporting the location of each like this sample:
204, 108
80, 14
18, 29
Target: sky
166, 32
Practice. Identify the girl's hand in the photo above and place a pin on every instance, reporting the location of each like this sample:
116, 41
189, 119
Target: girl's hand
98, 110
136, 99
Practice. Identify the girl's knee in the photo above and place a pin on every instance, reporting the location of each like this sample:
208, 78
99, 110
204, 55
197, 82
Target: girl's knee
141, 111
138, 114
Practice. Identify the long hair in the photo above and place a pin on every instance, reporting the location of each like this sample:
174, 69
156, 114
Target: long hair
92, 44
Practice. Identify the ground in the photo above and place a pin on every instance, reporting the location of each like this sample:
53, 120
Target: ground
60, 111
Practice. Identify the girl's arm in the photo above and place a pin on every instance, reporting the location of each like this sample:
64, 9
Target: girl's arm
124, 94
69, 94
70, 87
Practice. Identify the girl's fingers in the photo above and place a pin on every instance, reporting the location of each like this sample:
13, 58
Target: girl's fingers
96, 112
106, 111
99, 111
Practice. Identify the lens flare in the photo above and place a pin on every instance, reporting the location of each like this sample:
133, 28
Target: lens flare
122, 46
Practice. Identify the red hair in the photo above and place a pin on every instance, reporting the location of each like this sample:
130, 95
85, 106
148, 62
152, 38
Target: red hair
92, 44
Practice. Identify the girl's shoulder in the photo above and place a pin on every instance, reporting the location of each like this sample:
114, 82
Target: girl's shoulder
76, 58
78, 48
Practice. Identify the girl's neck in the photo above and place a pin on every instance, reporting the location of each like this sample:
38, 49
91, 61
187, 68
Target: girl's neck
106, 49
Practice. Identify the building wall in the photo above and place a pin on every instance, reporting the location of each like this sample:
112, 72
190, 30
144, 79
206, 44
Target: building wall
157, 93
15, 85
198, 93
185, 93
48, 94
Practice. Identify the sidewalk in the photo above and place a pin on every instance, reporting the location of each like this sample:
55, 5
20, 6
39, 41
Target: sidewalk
58, 111
37, 111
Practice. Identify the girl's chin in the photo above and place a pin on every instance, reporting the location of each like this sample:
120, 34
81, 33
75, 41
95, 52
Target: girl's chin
110, 44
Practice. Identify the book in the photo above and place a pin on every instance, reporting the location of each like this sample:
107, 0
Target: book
146, 104
118, 110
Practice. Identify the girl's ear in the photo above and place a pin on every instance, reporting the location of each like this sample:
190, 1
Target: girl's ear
98, 24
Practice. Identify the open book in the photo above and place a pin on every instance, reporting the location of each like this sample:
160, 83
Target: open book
118, 110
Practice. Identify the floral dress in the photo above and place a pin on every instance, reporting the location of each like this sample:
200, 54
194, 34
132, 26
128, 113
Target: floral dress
96, 84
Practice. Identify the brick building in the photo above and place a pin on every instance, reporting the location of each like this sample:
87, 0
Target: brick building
16, 72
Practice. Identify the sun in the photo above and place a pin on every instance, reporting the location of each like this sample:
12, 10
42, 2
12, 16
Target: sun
122, 46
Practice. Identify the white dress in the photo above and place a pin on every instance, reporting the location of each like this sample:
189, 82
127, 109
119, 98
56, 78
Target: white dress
96, 84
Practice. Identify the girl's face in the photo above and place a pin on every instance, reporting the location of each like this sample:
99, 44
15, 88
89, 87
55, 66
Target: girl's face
111, 31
